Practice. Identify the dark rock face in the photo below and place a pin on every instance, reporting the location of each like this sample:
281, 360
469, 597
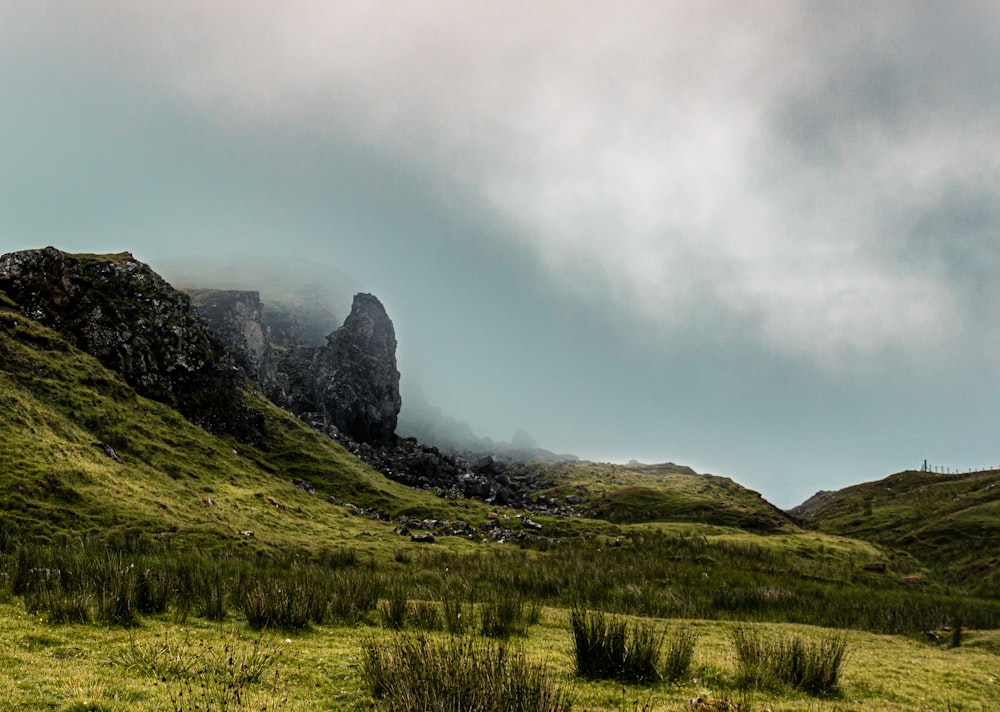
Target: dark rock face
236, 318
120, 311
349, 386
356, 381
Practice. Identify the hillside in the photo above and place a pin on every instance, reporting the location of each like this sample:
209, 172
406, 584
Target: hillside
950, 522
82, 453
637, 492
118, 511
85, 450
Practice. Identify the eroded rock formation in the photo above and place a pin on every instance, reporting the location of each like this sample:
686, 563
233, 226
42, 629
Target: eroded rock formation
355, 375
120, 311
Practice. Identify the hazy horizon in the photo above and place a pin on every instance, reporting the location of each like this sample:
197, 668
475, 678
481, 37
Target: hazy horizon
756, 239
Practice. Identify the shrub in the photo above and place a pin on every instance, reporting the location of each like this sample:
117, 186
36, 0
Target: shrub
607, 648
455, 674
766, 662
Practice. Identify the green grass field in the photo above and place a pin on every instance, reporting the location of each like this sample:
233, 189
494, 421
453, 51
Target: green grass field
192, 572
93, 667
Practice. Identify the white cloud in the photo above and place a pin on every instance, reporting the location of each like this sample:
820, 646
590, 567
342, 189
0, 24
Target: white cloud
639, 149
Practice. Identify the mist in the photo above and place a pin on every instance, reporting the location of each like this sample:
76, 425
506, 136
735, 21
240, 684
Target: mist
757, 240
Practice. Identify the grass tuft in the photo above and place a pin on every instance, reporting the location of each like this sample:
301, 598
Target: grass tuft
607, 648
769, 662
407, 673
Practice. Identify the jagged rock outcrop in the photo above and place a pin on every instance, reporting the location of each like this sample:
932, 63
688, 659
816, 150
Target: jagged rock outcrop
236, 318
349, 386
355, 378
120, 311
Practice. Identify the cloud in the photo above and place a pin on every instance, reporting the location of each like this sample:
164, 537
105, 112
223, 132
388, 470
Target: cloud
819, 180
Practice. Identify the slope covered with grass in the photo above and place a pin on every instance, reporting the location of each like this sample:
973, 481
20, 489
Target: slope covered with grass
636, 492
82, 454
950, 522
166, 568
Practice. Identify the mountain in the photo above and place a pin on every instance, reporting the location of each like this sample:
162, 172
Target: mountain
120, 311
948, 521
83, 453
128, 411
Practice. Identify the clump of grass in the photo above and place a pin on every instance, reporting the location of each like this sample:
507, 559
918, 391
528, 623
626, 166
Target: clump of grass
409, 673
354, 594
608, 648
267, 605
395, 608
165, 657
455, 618
504, 614
424, 615
44, 595
210, 595
152, 591
678, 654
115, 585
235, 676
768, 662
288, 602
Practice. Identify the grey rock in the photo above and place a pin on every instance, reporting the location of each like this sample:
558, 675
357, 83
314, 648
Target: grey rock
120, 311
236, 318
354, 379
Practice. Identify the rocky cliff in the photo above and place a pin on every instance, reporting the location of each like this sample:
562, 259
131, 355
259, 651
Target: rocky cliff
356, 380
120, 311
236, 318
348, 387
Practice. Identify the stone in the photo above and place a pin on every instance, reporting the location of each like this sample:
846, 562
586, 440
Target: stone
236, 318
355, 375
120, 311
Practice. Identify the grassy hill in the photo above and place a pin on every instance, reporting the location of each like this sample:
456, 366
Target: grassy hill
168, 478
950, 522
145, 563
637, 492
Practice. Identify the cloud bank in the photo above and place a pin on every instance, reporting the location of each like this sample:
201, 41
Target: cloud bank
819, 180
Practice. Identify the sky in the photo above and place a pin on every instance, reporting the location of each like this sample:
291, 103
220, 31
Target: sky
757, 238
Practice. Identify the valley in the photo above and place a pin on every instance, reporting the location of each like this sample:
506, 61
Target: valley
176, 534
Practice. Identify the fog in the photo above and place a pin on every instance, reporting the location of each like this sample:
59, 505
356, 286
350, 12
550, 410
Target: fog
756, 239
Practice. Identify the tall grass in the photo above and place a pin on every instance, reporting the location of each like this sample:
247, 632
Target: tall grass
235, 676
813, 667
502, 614
608, 648
678, 654
394, 608
497, 592
354, 594
407, 673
